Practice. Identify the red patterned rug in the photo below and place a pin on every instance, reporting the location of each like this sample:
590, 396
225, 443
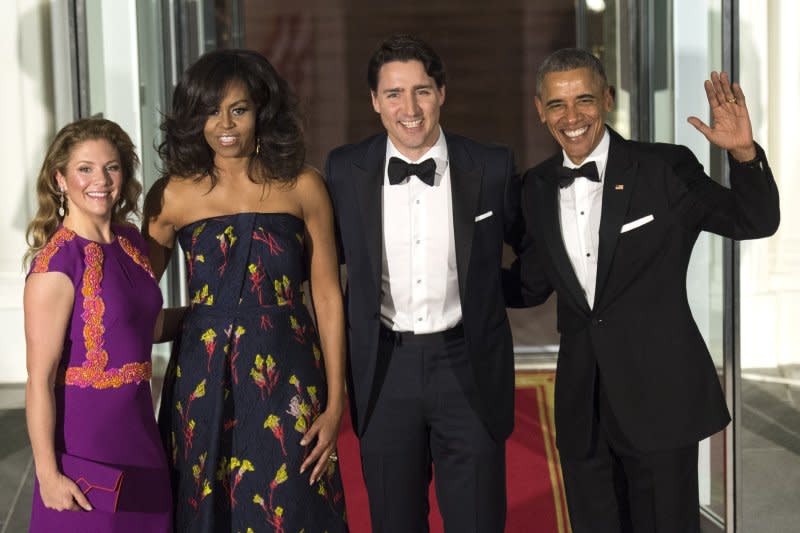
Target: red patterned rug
536, 500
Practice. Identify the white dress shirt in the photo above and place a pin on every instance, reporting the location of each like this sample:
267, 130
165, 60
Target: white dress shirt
419, 281
580, 208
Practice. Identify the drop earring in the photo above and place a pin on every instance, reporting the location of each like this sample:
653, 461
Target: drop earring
61, 205
258, 145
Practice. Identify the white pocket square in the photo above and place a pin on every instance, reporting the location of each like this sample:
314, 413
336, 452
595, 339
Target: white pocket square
636, 223
487, 214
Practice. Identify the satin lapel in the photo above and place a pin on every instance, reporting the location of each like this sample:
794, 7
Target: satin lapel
550, 224
618, 183
465, 187
367, 182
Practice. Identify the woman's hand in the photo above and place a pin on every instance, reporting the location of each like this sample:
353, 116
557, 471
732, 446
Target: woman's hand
60, 493
325, 430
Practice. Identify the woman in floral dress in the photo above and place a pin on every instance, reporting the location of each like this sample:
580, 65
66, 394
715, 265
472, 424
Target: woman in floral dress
253, 402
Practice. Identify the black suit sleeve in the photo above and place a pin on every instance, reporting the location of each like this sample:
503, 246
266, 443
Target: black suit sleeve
332, 192
525, 284
514, 230
514, 225
749, 209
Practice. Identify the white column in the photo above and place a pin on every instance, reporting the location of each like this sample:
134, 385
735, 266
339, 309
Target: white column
28, 93
770, 285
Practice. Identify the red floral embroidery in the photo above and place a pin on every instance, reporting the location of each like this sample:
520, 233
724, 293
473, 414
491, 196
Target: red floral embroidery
136, 255
42, 262
93, 373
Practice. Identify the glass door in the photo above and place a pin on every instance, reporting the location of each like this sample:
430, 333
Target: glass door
769, 278
657, 55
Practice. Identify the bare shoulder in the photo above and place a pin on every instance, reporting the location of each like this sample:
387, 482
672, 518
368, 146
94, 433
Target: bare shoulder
168, 203
311, 191
47, 289
310, 185
178, 197
310, 179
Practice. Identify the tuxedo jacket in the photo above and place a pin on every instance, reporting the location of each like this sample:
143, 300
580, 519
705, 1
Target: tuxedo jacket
485, 210
639, 334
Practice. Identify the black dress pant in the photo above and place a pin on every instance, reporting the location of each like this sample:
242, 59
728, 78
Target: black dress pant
616, 489
422, 420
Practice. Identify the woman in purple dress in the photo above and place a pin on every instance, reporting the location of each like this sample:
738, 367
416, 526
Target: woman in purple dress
91, 306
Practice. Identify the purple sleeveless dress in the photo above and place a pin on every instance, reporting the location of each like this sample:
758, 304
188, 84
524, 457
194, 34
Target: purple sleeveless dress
105, 434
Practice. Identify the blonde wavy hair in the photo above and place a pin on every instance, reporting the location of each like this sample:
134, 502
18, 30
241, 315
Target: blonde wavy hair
48, 195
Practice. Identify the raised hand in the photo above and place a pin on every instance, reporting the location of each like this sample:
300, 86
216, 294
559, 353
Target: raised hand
730, 121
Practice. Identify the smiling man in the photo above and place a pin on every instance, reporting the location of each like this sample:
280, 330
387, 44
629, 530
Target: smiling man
610, 226
422, 215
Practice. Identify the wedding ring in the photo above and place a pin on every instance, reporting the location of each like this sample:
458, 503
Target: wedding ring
731, 100
333, 457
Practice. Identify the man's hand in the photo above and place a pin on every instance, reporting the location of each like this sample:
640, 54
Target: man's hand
730, 122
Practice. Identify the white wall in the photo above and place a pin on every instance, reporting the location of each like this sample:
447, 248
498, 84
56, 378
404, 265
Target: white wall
28, 126
33, 81
770, 268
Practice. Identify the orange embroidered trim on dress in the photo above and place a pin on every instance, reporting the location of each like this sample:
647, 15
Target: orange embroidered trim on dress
136, 255
93, 373
56, 242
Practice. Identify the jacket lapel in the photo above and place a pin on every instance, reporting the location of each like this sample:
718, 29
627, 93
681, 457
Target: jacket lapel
618, 184
465, 187
368, 182
548, 209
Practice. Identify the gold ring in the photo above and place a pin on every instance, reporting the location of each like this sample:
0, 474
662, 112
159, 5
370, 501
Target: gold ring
731, 100
333, 457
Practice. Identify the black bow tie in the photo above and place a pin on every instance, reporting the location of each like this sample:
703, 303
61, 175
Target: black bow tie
399, 170
567, 175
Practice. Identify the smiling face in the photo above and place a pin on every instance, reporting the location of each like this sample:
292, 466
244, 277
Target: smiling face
230, 129
408, 102
91, 180
574, 104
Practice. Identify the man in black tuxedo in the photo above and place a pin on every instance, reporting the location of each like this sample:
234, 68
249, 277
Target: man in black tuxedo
636, 389
422, 216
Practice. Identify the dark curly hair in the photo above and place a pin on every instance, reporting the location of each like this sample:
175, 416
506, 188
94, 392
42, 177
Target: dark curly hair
403, 47
185, 152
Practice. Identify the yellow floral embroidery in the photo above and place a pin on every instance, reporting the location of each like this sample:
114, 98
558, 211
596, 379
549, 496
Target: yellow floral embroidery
203, 297
283, 291
280, 475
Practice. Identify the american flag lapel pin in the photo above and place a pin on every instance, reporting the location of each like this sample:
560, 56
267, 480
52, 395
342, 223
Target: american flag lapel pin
619, 187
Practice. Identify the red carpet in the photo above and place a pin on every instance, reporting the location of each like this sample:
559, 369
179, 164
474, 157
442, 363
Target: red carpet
536, 501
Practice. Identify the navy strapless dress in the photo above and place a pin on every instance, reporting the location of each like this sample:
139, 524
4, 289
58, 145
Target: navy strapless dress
245, 384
